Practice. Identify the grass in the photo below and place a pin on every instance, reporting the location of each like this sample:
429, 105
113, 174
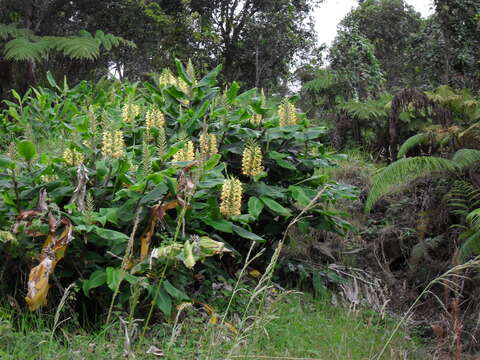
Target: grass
297, 326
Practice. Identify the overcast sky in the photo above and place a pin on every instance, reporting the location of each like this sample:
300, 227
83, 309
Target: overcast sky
331, 12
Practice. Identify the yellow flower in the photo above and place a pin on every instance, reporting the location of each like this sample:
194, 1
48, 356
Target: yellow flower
231, 197
287, 113
154, 118
187, 153
113, 144
256, 119
208, 144
72, 157
130, 112
252, 160
48, 178
167, 78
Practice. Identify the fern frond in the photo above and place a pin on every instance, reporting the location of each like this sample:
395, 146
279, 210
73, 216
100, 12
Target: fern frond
8, 31
21, 49
402, 171
466, 157
77, 47
410, 143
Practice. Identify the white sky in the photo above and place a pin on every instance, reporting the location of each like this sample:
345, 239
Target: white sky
331, 12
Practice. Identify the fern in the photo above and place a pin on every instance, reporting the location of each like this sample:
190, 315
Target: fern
471, 237
8, 31
402, 171
466, 157
410, 143
84, 46
21, 49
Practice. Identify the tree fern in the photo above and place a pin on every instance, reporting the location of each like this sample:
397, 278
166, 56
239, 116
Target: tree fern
466, 157
84, 46
21, 49
402, 171
414, 141
8, 31
471, 237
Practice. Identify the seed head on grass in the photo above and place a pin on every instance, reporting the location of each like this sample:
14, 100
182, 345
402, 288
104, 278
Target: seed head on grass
252, 160
231, 197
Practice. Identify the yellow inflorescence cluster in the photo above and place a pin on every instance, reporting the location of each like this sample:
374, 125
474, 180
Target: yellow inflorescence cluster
252, 160
154, 118
208, 144
287, 114
256, 119
130, 112
231, 197
167, 78
113, 144
72, 157
187, 153
49, 178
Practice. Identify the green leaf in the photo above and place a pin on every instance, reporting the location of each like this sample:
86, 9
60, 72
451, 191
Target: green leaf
26, 149
232, 92
275, 206
211, 78
299, 195
255, 206
6, 163
247, 234
108, 234
113, 277
97, 278
220, 225
182, 72
212, 162
162, 300
174, 292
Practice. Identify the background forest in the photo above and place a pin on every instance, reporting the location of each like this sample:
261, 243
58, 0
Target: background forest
167, 165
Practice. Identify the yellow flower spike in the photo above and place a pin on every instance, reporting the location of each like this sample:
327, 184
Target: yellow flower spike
287, 113
130, 112
231, 197
118, 145
154, 118
107, 144
187, 153
72, 157
256, 119
208, 144
252, 160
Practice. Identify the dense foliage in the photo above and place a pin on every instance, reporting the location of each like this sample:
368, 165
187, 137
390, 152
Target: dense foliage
140, 182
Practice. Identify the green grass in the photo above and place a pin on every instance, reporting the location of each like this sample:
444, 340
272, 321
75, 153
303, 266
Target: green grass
298, 326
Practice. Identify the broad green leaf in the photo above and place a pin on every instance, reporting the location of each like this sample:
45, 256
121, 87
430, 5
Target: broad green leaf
26, 149
247, 234
182, 72
212, 162
174, 292
97, 278
255, 206
232, 92
6, 163
162, 299
113, 277
275, 206
220, 224
211, 78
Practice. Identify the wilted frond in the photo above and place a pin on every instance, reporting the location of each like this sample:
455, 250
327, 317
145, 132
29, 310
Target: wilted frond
403, 171
412, 142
